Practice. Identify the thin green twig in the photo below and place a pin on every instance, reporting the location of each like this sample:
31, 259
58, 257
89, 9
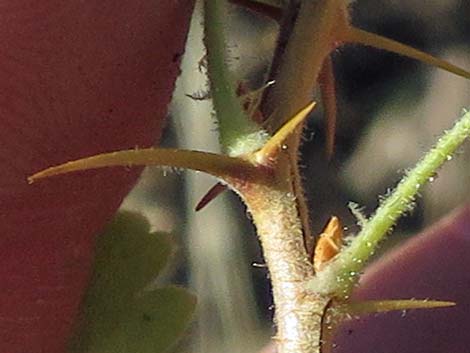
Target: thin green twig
239, 134
340, 276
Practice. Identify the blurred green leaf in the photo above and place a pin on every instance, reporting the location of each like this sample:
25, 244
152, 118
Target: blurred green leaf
120, 315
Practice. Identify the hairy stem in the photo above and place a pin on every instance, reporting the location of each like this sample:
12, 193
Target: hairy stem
280, 212
298, 314
238, 133
339, 277
309, 43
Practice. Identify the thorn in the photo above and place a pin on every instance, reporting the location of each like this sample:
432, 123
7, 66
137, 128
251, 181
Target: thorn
270, 149
326, 80
356, 35
328, 244
220, 166
349, 310
210, 195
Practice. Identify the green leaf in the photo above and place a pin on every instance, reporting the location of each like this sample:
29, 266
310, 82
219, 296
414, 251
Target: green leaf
121, 315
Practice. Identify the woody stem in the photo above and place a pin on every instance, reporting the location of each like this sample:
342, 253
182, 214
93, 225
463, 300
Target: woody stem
298, 314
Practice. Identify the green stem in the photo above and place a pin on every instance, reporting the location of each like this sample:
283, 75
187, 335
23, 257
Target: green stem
238, 133
339, 277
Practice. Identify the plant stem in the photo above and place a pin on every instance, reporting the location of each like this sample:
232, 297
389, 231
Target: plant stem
298, 314
279, 211
238, 133
339, 277
309, 43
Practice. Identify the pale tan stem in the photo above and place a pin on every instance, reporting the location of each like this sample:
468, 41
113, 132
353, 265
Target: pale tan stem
298, 314
280, 211
310, 42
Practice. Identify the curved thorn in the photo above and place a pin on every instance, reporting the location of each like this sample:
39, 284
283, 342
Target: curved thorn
220, 166
356, 35
210, 195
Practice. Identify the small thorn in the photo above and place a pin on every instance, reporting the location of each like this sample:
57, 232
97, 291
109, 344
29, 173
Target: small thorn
349, 310
210, 195
356, 35
270, 149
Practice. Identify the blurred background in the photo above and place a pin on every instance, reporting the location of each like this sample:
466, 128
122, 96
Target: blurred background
390, 111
